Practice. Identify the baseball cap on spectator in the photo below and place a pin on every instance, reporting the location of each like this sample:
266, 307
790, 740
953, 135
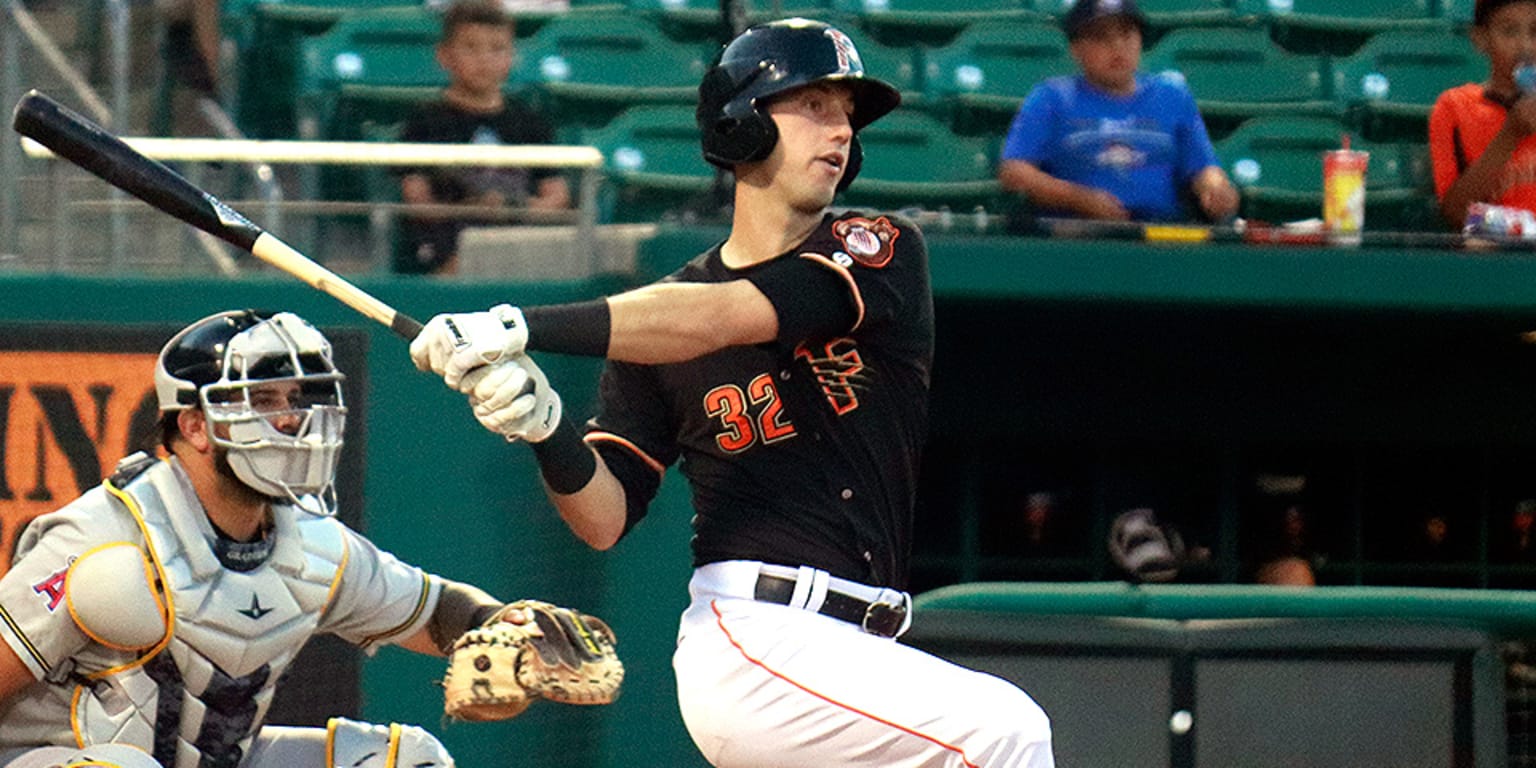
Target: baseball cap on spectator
1485, 8
1085, 12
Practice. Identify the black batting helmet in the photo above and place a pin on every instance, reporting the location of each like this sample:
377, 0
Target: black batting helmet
769, 59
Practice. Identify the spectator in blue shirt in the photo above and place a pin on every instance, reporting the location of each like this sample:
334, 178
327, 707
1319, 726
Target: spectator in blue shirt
1110, 143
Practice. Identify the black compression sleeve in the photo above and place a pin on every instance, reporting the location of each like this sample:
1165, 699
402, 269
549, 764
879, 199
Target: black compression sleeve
460, 608
565, 461
579, 328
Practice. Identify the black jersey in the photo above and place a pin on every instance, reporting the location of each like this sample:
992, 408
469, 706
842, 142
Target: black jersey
803, 451
427, 243
446, 123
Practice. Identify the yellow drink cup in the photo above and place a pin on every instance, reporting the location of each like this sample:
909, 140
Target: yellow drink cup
1344, 194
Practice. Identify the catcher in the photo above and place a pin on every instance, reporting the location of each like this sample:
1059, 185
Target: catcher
145, 624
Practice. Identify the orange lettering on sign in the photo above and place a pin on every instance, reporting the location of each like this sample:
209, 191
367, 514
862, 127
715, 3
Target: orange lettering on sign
65, 420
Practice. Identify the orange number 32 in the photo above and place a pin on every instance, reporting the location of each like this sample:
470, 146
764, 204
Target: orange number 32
735, 408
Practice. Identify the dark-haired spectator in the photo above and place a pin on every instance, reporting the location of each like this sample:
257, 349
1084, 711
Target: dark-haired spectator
477, 51
1111, 143
1480, 133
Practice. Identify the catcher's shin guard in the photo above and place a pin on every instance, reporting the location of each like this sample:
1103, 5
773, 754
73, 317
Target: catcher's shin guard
348, 742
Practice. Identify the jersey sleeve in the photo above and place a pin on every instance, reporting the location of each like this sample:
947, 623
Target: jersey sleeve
1195, 150
379, 600
633, 434
34, 616
870, 271
1444, 154
1030, 134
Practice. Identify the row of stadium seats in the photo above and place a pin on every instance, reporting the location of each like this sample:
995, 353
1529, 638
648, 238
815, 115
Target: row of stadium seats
587, 69
913, 160
272, 35
358, 78
925, 17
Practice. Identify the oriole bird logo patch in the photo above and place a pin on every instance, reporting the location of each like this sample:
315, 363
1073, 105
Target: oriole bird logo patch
871, 243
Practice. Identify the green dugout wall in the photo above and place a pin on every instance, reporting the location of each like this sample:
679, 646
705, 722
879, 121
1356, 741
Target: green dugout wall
1394, 376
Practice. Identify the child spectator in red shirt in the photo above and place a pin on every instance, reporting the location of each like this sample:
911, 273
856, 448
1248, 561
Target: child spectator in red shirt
1480, 138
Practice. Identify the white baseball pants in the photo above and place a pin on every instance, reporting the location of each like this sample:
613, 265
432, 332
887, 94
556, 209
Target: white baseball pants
764, 685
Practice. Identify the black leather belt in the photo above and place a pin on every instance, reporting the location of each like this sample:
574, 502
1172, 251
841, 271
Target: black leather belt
883, 619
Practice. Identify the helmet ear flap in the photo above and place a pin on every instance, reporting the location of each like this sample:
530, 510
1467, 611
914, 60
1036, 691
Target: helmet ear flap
748, 139
731, 128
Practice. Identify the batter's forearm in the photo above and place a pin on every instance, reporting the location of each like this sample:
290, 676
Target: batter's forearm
597, 513
655, 324
675, 322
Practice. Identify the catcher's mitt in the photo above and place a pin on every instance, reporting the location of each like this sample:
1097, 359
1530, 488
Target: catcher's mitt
497, 669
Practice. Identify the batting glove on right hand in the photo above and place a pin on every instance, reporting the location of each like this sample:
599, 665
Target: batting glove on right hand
452, 345
513, 399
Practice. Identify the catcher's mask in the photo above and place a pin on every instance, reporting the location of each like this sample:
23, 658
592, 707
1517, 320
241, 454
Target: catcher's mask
767, 60
271, 395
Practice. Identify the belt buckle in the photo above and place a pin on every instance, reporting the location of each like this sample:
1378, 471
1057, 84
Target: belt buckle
884, 619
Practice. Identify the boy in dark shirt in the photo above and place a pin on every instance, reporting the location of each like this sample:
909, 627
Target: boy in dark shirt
477, 52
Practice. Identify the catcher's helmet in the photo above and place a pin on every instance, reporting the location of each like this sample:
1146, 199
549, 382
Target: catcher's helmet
285, 447
769, 59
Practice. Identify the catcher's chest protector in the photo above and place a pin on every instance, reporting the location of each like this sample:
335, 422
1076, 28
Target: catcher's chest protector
205, 694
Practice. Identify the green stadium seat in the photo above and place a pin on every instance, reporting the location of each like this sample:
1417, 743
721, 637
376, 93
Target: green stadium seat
930, 22
700, 19
984, 75
1277, 165
1162, 14
1359, 15
901, 66
1187, 13
1392, 82
1236, 74
379, 63
1337, 27
1458, 12
531, 20
653, 162
1402, 194
594, 66
366, 70
268, 36
913, 159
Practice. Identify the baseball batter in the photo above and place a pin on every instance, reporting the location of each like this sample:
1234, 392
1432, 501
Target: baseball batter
788, 369
146, 623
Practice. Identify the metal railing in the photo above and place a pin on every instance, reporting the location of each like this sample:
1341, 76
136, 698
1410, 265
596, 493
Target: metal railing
18, 26
381, 215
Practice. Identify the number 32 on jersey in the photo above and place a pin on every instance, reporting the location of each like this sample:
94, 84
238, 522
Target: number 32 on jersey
755, 415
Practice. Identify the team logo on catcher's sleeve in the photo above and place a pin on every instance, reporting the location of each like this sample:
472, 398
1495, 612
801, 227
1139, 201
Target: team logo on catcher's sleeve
871, 243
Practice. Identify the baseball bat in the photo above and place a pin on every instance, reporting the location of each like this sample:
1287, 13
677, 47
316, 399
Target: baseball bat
80, 141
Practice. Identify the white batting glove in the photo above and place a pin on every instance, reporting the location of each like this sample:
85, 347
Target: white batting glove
452, 345
513, 399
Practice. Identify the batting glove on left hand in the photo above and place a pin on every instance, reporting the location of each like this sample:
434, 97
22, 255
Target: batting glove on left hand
452, 345
513, 399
